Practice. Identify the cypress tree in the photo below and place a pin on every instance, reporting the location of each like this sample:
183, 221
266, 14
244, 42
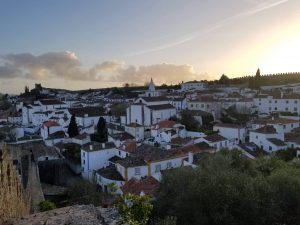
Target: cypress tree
73, 129
102, 130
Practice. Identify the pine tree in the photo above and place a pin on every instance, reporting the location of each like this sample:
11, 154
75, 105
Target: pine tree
73, 129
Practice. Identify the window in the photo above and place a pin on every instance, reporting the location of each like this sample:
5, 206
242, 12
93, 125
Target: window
286, 102
259, 104
270, 148
207, 106
119, 152
192, 105
270, 101
286, 109
82, 169
292, 125
169, 165
137, 171
295, 109
256, 137
202, 105
157, 168
84, 162
270, 108
296, 101
275, 101
83, 154
275, 108
284, 126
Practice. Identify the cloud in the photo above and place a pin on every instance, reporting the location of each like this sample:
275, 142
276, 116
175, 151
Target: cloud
258, 7
67, 66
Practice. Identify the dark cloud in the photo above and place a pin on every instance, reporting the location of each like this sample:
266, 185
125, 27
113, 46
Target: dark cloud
67, 66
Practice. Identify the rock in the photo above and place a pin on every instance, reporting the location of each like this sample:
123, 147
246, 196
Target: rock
73, 215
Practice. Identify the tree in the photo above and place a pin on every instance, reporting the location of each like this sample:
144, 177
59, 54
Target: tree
84, 192
257, 79
189, 121
118, 110
224, 79
102, 130
26, 89
286, 154
228, 188
73, 129
134, 209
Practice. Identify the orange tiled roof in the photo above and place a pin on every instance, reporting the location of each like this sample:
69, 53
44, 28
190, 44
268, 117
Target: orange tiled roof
50, 124
148, 186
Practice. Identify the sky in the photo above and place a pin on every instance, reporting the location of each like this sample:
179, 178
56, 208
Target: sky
77, 44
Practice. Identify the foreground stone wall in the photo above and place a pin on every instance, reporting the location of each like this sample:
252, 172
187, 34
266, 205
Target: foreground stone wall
73, 215
14, 201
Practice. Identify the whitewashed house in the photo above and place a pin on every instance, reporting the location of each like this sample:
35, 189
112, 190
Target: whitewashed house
136, 130
95, 156
268, 138
50, 127
150, 110
278, 102
179, 103
234, 133
216, 141
193, 85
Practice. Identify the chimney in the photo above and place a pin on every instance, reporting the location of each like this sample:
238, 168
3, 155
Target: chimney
91, 147
190, 158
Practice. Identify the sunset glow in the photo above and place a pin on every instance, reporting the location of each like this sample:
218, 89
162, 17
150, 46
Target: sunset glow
103, 44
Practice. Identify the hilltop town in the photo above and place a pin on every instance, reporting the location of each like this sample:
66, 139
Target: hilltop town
126, 139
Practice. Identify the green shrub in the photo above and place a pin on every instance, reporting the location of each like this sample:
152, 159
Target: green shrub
46, 205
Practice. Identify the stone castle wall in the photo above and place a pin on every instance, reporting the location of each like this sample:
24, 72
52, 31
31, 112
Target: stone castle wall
14, 201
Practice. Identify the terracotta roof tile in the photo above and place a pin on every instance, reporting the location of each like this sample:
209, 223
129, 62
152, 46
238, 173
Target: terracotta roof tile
148, 186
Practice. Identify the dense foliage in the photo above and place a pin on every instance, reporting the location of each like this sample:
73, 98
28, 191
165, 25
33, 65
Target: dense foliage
134, 209
73, 152
118, 110
73, 129
189, 121
229, 189
84, 192
46, 205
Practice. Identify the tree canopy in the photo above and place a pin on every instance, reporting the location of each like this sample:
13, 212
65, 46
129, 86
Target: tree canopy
229, 189
189, 121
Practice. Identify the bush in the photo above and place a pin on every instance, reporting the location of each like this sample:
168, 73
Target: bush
228, 189
46, 205
84, 192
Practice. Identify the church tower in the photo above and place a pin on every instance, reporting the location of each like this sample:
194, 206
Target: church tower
151, 92
151, 85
